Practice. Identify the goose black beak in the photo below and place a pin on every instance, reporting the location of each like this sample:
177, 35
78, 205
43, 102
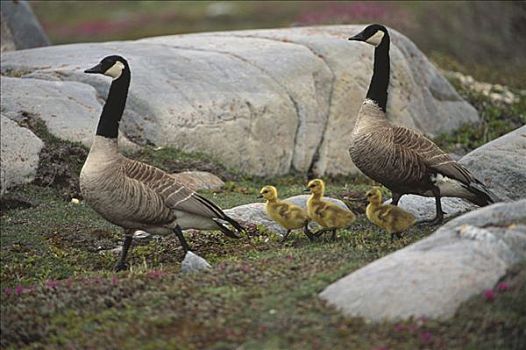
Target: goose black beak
95, 70
358, 37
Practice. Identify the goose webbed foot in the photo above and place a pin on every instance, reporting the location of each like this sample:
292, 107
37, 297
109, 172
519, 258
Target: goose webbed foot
323, 230
307, 232
440, 213
398, 235
179, 233
121, 266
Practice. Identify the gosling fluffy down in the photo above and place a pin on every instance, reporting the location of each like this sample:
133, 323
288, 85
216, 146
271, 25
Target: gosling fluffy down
391, 218
286, 214
329, 215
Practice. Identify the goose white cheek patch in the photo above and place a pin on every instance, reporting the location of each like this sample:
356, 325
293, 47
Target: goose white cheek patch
376, 39
115, 71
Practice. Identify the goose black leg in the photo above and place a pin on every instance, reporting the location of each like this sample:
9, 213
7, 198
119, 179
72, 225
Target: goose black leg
121, 264
396, 198
439, 213
333, 236
285, 236
179, 233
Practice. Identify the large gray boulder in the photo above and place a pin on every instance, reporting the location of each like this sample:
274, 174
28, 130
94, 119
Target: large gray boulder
18, 154
20, 28
263, 101
255, 213
432, 277
500, 164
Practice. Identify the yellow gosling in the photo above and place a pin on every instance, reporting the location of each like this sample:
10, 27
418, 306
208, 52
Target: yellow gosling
286, 214
391, 218
329, 215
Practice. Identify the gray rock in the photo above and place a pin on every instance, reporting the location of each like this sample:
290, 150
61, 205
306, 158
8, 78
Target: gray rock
265, 102
194, 263
23, 31
199, 180
70, 109
255, 212
18, 153
432, 277
500, 164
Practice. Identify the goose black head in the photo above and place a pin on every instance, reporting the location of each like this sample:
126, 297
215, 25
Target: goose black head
372, 34
112, 66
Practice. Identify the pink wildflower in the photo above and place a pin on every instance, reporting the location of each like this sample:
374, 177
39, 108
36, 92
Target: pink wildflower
155, 274
52, 284
399, 327
502, 287
489, 294
8, 291
426, 337
19, 289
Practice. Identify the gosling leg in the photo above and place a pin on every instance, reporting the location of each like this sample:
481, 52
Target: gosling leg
333, 236
307, 231
321, 231
179, 233
396, 197
121, 264
398, 235
285, 236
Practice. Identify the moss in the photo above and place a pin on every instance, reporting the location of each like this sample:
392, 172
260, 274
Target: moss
496, 120
261, 294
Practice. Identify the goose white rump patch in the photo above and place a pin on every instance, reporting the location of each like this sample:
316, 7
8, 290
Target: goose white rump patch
449, 187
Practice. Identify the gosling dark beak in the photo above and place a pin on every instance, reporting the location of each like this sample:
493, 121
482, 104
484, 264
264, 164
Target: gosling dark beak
260, 195
358, 37
95, 70
306, 190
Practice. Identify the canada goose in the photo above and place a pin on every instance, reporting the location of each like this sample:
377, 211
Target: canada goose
393, 219
401, 159
286, 214
329, 215
134, 195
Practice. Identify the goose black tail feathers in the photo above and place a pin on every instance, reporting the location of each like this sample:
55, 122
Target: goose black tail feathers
482, 196
222, 216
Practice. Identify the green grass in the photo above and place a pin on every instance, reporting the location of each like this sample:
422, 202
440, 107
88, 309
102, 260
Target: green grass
496, 120
261, 294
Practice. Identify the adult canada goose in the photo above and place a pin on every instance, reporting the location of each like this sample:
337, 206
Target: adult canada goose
134, 195
401, 159
286, 214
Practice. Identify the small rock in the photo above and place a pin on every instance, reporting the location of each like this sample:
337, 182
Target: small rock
19, 153
139, 234
75, 201
194, 263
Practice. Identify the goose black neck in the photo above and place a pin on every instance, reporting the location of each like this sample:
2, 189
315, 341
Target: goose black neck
114, 107
380, 80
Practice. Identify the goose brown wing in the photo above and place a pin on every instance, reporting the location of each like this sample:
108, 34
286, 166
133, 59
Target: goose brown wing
174, 194
415, 148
